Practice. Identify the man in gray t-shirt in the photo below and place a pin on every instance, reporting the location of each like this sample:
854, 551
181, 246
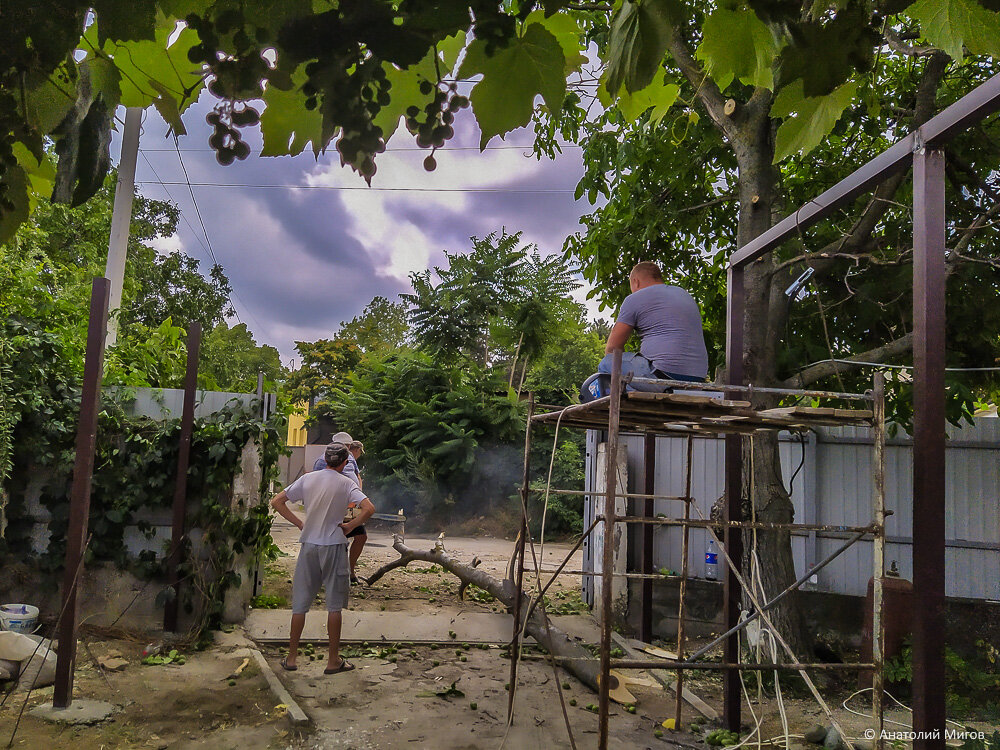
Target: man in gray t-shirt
668, 321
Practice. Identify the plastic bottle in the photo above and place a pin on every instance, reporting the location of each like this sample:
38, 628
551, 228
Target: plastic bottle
711, 561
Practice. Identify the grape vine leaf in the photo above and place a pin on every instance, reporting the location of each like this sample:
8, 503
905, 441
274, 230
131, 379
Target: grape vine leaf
287, 126
48, 104
807, 119
737, 44
660, 95
41, 173
156, 60
405, 90
533, 63
567, 32
104, 79
17, 193
638, 41
125, 20
952, 24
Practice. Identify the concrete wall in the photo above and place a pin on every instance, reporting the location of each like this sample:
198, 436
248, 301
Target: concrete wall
108, 591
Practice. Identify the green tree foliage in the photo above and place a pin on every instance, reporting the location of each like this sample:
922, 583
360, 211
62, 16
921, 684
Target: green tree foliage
173, 287
231, 359
438, 438
382, 327
452, 317
325, 363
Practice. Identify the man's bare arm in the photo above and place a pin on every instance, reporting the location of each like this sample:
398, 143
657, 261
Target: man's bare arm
618, 336
367, 511
280, 504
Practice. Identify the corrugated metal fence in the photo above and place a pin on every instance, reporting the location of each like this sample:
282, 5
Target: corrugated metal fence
833, 485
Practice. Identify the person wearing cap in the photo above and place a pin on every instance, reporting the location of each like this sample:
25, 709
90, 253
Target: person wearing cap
323, 557
356, 448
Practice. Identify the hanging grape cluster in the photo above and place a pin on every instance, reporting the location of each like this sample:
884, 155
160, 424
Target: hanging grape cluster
237, 77
433, 125
351, 101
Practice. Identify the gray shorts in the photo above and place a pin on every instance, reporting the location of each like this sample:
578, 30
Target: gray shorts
325, 565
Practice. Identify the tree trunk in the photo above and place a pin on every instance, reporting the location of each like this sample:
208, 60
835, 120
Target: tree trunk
584, 667
762, 336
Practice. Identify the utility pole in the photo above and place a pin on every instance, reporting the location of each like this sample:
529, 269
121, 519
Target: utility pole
121, 216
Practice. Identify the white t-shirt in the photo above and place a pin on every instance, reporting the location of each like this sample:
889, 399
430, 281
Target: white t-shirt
325, 495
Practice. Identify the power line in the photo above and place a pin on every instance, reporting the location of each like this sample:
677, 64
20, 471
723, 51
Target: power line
208, 239
504, 147
537, 191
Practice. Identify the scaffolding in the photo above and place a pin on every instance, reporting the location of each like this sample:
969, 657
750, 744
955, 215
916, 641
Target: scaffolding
692, 409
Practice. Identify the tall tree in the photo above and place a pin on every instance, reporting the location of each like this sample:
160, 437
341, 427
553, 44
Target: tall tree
382, 327
231, 359
666, 177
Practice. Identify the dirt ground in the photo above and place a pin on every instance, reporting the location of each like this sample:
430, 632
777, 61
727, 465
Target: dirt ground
421, 585
400, 695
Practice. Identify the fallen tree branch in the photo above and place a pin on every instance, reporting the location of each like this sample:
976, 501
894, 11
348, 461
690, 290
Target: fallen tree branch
584, 666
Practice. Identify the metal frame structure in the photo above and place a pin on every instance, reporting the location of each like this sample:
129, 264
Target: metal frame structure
924, 150
680, 414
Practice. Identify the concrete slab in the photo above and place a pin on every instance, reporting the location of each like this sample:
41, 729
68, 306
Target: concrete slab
80, 711
272, 626
296, 716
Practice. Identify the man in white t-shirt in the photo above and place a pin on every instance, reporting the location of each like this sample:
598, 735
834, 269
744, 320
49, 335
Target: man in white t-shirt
323, 559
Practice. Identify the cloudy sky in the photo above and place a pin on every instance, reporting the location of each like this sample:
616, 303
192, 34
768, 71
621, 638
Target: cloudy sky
302, 259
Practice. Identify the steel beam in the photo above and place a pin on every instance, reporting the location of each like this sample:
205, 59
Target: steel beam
928, 447
180, 487
79, 503
649, 511
736, 307
608, 551
937, 131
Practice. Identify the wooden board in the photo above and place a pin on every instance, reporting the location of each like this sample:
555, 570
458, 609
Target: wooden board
685, 398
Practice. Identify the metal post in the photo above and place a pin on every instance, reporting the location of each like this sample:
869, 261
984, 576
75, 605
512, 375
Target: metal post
610, 527
878, 472
260, 395
731, 706
685, 534
518, 581
648, 511
79, 504
180, 489
928, 447
121, 215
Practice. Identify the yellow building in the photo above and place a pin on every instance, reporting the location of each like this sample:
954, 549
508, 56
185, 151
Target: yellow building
297, 433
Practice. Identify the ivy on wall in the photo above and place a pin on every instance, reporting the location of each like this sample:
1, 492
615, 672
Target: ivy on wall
135, 472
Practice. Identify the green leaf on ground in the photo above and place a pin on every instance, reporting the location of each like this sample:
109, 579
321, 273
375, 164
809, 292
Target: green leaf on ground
287, 126
503, 100
807, 119
738, 45
638, 41
952, 24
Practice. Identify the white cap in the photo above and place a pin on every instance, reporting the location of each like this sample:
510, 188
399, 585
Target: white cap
342, 437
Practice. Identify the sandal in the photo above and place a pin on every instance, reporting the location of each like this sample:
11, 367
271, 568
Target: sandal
345, 666
354, 580
286, 667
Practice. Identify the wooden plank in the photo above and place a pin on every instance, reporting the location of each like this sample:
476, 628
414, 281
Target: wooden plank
684, 398
296, 715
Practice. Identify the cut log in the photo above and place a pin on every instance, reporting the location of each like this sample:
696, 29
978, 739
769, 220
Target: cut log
580, 662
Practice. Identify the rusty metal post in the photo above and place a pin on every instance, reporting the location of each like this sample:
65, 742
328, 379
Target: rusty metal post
608, 554
736, 305
648, 511
518, 578
928, 448
79, 503
878, 499
685, 534
180, 488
